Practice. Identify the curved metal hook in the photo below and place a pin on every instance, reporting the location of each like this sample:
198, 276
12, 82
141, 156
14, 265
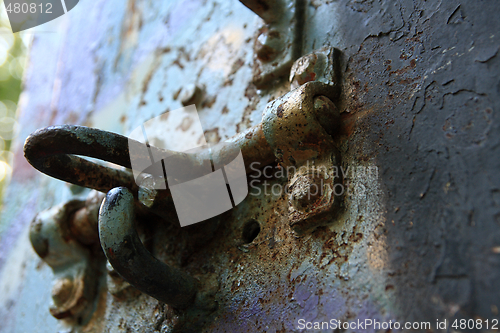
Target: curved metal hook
51, 150
129, 257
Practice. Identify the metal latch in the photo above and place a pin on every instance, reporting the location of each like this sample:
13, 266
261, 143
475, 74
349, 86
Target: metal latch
279, 41
296, 131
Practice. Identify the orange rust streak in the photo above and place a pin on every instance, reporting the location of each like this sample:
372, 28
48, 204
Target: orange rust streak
350, 120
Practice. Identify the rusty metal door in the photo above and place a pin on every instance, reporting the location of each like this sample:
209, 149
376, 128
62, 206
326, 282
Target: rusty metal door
369, 133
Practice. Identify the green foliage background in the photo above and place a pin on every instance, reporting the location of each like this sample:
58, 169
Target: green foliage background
12, 62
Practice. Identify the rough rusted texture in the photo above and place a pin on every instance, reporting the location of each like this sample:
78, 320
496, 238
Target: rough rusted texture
423, 92
278, 275
322, 65
291, 129
253, 145
83, 223
416, 241
51, 151
291, 125
316, 193
295, 116
124, 53
75, 281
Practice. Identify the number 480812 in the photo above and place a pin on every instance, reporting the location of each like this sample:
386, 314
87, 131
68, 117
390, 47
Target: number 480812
477, 324
25, 8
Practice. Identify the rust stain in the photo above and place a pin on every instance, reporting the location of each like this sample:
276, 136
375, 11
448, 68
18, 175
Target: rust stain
404, 69
279, 111
236, 66
212, 136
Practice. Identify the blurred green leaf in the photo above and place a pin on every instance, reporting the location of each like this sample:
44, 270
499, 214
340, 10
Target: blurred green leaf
12, 61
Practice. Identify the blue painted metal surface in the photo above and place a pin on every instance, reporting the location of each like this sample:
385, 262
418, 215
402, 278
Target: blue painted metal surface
113, 65
408, 108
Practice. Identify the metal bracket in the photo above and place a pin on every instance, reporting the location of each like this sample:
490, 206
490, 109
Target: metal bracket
300, 127
63, 236
278, 42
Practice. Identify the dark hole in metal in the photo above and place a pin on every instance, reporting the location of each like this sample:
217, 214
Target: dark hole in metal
250, 231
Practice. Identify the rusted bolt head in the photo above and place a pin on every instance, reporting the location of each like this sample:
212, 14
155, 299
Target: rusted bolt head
307, 68
306, 191
268, 45
62, 291
191, 94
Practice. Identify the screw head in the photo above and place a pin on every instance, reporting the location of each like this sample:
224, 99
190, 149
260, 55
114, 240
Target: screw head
306, 191
307, 68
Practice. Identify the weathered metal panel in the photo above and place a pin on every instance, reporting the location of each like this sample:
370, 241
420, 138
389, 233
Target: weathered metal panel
416, 241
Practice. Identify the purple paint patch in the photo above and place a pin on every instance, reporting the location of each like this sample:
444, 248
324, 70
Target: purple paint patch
17, 224
301, 294
182, 15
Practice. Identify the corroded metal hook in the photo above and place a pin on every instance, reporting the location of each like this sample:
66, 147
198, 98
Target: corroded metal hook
52, 150
129, 257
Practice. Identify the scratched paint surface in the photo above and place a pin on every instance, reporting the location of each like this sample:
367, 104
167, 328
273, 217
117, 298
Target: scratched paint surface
420, 102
